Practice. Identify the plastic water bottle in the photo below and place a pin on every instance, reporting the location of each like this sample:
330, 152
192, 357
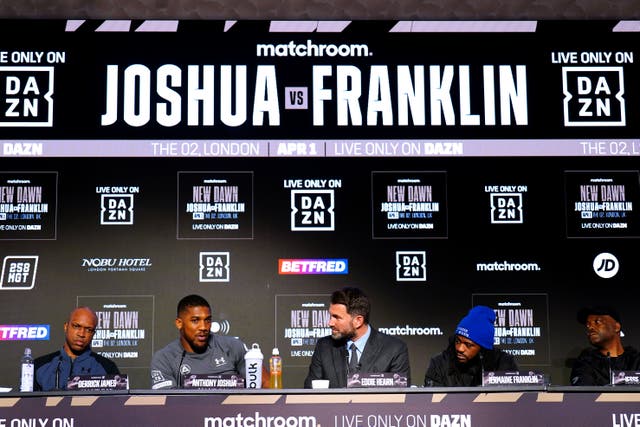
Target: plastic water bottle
253, 367
275, 369
26, 371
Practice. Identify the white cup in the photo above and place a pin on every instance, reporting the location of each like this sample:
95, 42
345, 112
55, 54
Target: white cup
319, 383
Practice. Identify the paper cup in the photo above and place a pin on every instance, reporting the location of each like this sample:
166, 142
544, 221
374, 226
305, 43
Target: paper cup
319, 383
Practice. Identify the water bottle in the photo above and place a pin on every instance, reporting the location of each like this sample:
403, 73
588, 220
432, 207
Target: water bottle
275, 369
253, 367
26, 371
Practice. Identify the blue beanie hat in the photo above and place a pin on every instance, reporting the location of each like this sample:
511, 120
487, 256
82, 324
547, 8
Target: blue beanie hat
478, 326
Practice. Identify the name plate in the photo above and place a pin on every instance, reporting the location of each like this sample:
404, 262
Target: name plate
376, 379
209, 381
98, 382
626, 377
508, 378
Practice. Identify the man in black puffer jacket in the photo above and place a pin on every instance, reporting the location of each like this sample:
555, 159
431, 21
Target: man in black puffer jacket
594, 366
470, 352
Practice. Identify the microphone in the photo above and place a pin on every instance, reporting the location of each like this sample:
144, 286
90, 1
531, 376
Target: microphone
345, 355
610, 370
184, 352
481, 368
58, 373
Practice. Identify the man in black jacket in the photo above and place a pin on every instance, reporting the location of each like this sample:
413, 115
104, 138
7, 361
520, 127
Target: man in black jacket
594, 366
470, 353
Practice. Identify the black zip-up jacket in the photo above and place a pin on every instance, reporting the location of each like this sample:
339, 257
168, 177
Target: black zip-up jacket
445, 371
594, 368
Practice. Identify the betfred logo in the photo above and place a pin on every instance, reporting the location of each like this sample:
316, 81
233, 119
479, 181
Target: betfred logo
24, 332
313, 266
19, 272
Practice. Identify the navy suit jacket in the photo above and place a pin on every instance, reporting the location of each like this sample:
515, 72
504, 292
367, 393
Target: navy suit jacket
382, 353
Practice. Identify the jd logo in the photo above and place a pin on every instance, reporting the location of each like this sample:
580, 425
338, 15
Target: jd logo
606, 265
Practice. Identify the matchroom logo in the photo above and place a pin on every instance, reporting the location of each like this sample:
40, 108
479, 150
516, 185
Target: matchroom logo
411, 266
214, 267
19, 272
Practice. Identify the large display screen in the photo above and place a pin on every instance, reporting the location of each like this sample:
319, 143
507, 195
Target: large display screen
265, 164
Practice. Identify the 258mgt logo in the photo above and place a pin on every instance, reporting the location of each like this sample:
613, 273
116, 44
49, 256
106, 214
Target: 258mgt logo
19, 272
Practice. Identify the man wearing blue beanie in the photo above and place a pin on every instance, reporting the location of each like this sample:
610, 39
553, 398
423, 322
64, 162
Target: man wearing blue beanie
470, 353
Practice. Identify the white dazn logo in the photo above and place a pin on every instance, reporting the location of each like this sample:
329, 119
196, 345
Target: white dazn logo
214, 267
506, 208
27, 96
593, 96
116, 209
312, 210
411, 266
606, 265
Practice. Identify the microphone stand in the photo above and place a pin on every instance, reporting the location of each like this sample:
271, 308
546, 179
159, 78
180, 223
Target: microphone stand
481, 368
58, 373
180, 380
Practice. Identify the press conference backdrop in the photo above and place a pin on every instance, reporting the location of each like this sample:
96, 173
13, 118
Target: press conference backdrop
264, 164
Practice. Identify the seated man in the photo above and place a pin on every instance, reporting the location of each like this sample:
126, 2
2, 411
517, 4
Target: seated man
334, 358
197, 350
75, 358
470, 353
595, 365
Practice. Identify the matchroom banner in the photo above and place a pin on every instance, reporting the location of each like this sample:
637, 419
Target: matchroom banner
522, 325
183, 88
215, 205
28, 205
603, 203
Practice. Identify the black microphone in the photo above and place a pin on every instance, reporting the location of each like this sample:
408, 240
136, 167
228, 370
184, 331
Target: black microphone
481, 368
345, 355
610, 370
184, 352
58, 373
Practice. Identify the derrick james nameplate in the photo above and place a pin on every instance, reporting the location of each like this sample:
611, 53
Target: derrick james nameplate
98, 382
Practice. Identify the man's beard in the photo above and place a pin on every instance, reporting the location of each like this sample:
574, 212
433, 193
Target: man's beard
343, 336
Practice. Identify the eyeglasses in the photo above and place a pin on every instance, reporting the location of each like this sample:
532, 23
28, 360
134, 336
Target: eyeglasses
89, 330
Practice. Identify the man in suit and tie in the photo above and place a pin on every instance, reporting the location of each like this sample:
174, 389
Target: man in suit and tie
354, 345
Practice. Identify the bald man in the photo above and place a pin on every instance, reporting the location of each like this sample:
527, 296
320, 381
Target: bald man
75, 358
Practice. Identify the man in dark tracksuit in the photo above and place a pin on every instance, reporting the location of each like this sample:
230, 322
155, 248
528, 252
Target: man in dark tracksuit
75, 358
469, 354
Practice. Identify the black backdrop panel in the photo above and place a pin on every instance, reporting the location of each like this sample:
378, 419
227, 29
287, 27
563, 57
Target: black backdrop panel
437, 171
